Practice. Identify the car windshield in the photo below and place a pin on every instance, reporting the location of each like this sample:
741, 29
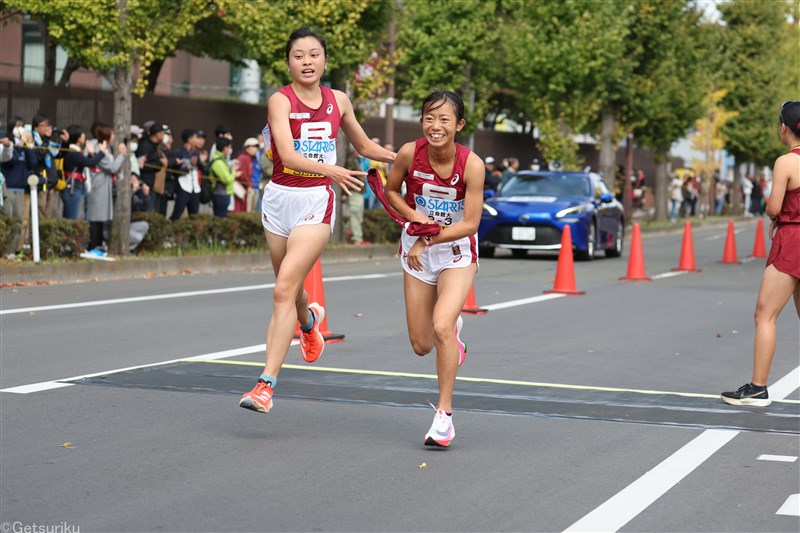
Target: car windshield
547, 185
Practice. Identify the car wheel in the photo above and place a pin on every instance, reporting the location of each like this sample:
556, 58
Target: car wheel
486, 251
591, 244
518, 252
616, 251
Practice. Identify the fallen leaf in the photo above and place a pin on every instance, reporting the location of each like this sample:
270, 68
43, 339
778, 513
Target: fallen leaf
423, 465
719, 335
358, 315
67, 445
734, 332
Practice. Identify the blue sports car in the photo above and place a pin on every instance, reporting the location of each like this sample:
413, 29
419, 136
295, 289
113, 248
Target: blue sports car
530, 210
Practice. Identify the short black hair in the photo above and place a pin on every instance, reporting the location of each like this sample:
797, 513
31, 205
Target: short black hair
790, 116
75, 131
303, 32
38, 119
222, 143
220, 129
444, 96
13, 124
187, 134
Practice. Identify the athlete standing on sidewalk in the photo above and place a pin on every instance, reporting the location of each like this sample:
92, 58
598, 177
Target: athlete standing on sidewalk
298, 211
781, 278
444, 185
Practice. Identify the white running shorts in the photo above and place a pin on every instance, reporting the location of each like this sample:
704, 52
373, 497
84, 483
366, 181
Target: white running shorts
284, 208
457, 254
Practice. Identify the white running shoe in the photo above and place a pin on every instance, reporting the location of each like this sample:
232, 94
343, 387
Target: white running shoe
442, 430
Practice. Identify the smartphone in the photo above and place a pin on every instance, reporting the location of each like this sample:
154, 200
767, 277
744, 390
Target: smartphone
28, 128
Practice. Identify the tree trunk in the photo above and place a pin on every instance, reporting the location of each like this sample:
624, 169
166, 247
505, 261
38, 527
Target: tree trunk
66, 74
660, 188
607, 147
49, 55
154, 70
123, 107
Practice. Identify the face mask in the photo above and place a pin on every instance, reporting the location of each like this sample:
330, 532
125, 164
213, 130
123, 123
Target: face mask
133, 146
166, 139
260, 146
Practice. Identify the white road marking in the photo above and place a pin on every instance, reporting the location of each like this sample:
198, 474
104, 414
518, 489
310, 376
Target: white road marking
791, 507
669, 274
613, 514
55, 384
777, 458
169, 296
523, 301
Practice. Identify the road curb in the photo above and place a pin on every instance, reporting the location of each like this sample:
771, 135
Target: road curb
135, 267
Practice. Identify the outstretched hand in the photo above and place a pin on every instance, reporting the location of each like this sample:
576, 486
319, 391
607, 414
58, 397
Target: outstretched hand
348, 179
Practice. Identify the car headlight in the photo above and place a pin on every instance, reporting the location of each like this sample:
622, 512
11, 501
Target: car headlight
577, 210
490, 210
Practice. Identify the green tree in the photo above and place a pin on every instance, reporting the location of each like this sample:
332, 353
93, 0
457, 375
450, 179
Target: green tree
353, 30
669, 82
119, 39
569, 62
450, 46
761, 49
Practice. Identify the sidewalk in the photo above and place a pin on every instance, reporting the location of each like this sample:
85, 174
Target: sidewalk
134, 267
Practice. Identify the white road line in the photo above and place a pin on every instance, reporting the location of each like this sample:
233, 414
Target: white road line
786, 385
175, 295
777, 458
523, 301
669, 274
791, 507
637, 496
47, 385
613, 514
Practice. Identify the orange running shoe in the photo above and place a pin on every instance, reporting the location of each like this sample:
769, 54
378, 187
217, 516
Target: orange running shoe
259, 399
312, 343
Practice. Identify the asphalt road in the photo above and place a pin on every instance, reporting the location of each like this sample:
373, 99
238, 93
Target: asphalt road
596, 413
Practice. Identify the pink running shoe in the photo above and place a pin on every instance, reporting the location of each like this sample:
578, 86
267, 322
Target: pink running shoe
462, 346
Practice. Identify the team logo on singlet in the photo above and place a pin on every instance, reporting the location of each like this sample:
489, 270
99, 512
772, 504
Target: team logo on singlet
309, 217
329, 109
423, 175
455, 179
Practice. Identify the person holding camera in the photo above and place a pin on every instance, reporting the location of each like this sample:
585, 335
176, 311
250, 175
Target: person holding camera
74, 164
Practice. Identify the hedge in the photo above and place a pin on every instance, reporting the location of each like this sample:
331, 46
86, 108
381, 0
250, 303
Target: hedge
62, 238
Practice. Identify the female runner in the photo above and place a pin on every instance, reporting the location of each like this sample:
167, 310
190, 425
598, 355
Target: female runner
444, 185
781, 278
298, 206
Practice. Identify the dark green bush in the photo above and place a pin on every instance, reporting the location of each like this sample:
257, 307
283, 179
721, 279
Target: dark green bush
9, 234
60, 237
236, 231
380, 228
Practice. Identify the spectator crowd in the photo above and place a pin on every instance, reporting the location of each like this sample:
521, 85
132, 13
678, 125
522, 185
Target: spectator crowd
77, 168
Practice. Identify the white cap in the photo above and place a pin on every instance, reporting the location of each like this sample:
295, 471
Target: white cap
489, 160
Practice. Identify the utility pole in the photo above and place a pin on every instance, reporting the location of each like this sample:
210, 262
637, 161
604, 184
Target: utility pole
626, 185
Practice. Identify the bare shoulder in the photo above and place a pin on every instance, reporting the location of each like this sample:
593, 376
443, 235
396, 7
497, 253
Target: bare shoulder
277, 102
787, 164
475, 165
341, 99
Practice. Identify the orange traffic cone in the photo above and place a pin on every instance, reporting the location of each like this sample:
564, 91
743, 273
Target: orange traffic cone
471, 306
565, 272
687, 251
636, 270
316, 293
729, 254
759, 248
